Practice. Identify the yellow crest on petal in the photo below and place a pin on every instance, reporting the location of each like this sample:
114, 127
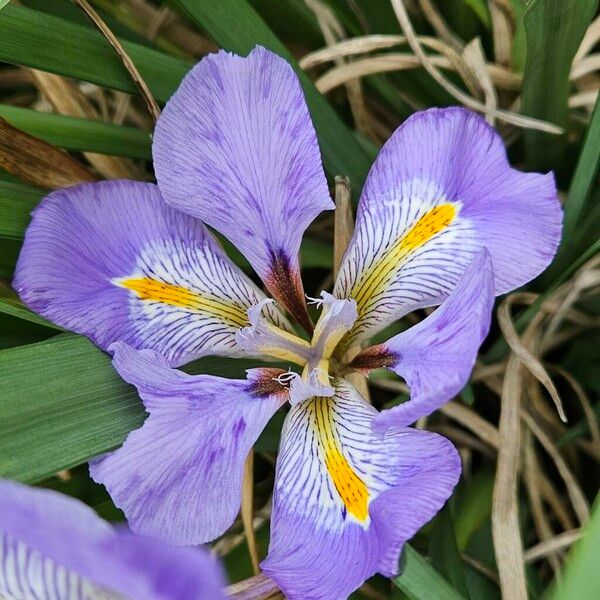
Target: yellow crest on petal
153, 290
379, 275
351, 488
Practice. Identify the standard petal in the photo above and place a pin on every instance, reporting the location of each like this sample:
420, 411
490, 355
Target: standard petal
53, 546
440, 190
179, 476
346, 499
437, 355
112, 261
236, 148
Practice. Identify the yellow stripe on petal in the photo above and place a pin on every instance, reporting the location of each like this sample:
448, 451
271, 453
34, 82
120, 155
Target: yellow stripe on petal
377, 278
153, 290
349, 485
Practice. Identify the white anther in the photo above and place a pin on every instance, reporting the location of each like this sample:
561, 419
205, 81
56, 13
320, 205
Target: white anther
315, 301
286, 377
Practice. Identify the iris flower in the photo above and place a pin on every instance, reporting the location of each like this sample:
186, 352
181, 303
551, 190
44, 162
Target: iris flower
443, 220
53, 547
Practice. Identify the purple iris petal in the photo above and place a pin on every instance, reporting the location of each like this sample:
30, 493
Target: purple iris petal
440, 190
437, 355
112, 261
179, 477
235, 147
346, 500
53, 546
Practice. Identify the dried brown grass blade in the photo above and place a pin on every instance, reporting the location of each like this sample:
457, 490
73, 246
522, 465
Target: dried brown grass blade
577, 497
67, 99
259, 587
525, 356
507, 116
471, 420
173, 28
129, 65
343, 229
433, 15
502, 29
508, 545
556, 544
37, 162
590, 39
475, 58
333, 30
343, 221
247, 510
586, 405
449, 59
541, 520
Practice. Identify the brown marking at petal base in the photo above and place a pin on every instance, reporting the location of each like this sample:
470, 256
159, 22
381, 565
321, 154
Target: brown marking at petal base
264, 382
286, 287
374, 357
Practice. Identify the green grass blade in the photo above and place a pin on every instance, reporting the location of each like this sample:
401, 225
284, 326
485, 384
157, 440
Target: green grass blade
236, 26
67, 404
16, 203
42, 41
443, 550
480, 8
420, 581
584, 177
14, 308
86, 135
581, 576
577, 216
554, 29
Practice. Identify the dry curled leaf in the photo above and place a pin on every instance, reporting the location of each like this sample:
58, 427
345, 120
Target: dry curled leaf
37, 162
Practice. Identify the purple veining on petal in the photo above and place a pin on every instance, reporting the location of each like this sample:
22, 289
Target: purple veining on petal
259, 180
446, 157
84, 242
179, 477
318, 549
55, 546
436, 356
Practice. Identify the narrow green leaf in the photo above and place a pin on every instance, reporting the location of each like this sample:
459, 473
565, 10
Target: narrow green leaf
578, 212
519, 43
444, 553
554, 29
67, 404
581, 576
3, 3
14, 308
71, 133
480, 8
9, 252
42, 41
235, 25
420, 581
16, 203
585, 175
472, 506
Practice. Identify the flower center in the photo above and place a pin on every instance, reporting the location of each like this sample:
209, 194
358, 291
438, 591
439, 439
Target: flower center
316, 357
